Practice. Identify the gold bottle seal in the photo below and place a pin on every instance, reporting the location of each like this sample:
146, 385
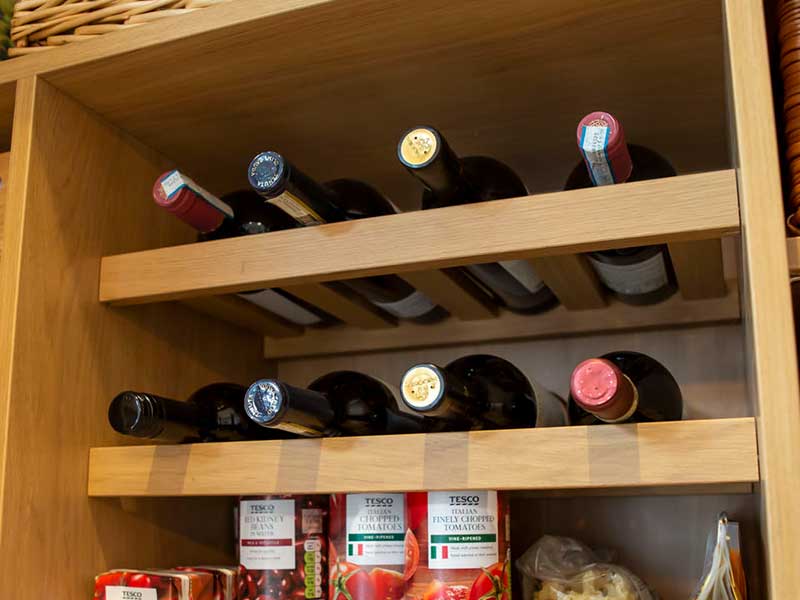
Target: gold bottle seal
421, 387
418, 146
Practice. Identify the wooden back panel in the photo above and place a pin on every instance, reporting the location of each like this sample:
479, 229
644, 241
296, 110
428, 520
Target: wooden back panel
80, 190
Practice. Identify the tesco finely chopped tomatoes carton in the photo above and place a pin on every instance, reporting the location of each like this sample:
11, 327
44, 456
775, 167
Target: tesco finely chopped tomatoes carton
283, 547
153, 585
458, 546
367, 547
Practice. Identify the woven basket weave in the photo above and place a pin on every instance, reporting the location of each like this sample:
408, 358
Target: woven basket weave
38, 25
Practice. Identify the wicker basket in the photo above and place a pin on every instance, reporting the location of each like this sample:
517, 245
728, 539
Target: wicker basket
38, 25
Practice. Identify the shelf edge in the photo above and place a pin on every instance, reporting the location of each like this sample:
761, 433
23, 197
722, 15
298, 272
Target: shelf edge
702, 452
688, 207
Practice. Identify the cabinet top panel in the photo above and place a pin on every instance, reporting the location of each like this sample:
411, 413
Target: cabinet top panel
333, 84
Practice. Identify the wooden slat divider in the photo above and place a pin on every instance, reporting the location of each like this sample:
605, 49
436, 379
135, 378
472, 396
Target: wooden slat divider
698, 268
672, 312
244, 314
572, 280
454, 292
348, 308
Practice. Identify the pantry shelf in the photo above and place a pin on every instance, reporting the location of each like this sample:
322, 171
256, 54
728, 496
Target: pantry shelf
651, 455
689, 213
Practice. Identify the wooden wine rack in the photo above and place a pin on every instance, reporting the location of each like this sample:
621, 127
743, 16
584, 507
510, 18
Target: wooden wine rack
689, 213
96, 279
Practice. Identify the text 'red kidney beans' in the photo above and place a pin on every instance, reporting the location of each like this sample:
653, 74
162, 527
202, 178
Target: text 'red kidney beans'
283, 547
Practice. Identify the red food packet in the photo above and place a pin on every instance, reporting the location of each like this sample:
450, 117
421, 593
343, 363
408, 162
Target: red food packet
457, 545
225, 580
283, 547
126, 584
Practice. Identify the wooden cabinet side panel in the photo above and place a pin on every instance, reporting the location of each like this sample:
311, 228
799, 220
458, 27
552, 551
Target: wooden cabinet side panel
79, 190
10, 256
767, 311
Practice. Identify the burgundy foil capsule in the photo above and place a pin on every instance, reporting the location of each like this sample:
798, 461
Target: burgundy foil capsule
601, 139
600, 387
181, 196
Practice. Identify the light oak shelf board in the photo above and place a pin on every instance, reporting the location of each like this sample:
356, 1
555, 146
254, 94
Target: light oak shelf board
690, 207
672, 312
721, 451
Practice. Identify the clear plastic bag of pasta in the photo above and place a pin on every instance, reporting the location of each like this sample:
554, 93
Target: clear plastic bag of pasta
723, 575
559, 568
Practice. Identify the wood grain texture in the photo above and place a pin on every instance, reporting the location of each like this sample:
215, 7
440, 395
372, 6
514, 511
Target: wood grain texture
64, 356
698, 268
673, 312
455, 292
568, 457
671, 49
11, 265
672, 209
348, 308
5, 157
572, 280
767, 310
244, 314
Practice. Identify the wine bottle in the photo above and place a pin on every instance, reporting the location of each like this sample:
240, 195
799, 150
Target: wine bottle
481, 391
213, 413
638, 275
450, 180
623, 387
236, 214
312, 203
339, 403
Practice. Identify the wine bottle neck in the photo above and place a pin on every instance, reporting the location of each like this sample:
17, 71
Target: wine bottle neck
180, 195
150, 416
436, 392
301, 197
601, 140
272, 403
598, 386
428, 156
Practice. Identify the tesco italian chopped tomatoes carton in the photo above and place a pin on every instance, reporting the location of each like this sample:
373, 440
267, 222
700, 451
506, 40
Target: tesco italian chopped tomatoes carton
283, 547
153, 585
458, 546
367, 547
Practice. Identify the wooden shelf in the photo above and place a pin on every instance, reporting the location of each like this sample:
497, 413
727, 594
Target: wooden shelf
679, 209
673, 312
682, 453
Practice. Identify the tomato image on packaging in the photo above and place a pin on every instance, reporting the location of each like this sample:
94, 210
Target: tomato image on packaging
283, 548
457, 546
154, 585
367, 541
